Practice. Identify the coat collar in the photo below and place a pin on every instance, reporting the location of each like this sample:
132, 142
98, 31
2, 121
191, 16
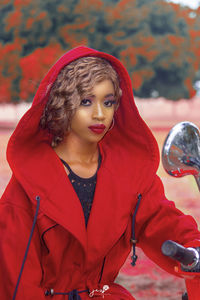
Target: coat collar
43, 174
59, 202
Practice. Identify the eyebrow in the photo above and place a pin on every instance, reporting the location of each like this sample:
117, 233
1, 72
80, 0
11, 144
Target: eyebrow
106, 96
109, 95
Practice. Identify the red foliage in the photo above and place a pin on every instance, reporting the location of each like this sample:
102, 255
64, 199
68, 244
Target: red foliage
68, 33
5, 90
137, 80
42, 15
21, 3
179, 48
176, 40
34, 66
8, 69
31, 20
4, 2
70, 27
123, 4
194, 34
116, 11
85, 4
96, 4
29, 23
13, 19
189, 85
129, 53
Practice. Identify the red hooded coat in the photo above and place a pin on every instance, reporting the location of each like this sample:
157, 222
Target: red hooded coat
64, 255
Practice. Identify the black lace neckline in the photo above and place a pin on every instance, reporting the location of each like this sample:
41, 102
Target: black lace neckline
84, 188
82, 179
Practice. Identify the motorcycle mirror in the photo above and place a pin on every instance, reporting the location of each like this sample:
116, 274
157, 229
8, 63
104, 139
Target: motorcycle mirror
181, 151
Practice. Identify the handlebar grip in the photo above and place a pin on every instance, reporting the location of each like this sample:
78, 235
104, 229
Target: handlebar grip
186, 256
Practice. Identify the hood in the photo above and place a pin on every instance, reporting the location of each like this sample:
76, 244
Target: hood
129, 142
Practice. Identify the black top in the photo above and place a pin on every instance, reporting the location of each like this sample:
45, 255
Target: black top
84, 188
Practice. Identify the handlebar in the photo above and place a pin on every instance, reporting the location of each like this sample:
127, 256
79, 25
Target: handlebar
188, 257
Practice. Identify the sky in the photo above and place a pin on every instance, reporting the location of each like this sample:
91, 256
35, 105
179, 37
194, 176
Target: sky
191, 3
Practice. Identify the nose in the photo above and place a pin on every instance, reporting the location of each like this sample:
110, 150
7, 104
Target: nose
98, 112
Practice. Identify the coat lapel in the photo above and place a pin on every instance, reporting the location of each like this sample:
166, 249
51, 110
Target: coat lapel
49, 180
109, 215
64, 208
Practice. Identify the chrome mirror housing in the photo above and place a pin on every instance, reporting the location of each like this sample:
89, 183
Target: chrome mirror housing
181, 151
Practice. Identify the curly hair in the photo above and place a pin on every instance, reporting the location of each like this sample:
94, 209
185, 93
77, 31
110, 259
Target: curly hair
74, 82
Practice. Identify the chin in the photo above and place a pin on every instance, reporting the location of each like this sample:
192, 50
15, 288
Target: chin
96, 139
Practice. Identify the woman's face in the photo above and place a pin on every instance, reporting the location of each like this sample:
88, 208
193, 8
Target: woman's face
94, 116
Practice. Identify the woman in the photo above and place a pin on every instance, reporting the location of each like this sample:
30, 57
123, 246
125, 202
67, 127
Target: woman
83, 156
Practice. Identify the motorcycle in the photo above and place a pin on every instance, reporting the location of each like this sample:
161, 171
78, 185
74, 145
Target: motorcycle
181, 157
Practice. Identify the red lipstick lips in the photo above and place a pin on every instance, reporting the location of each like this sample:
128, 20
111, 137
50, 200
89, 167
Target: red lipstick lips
97, 128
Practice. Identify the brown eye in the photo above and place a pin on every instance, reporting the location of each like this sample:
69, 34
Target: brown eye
86, 102
109, 103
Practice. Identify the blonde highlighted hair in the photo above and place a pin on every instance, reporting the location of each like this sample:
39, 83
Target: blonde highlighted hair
74, 82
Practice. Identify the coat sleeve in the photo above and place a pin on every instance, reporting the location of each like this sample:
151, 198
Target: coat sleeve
15, 226
159, 220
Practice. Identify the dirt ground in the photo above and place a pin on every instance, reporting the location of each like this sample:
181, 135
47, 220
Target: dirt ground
146, 281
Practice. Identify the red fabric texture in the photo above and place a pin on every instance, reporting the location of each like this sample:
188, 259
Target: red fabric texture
64, 255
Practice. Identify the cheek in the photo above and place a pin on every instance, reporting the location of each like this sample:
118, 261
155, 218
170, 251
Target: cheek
110, 115
79, 119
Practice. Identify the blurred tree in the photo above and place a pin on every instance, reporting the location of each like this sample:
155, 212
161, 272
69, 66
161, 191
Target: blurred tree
158, 42
154, 44
5, 35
